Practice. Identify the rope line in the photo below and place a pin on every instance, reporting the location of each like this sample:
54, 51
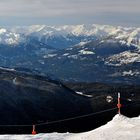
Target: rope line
82, 116
68, 119
72, 118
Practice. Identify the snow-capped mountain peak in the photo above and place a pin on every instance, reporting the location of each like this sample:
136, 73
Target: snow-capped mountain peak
130, 35
8, 37
2, 30
14, 35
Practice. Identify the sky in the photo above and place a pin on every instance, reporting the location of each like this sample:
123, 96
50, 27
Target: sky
60, 12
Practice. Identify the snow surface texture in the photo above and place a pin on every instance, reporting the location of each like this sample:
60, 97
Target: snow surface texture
123, 58
120, 128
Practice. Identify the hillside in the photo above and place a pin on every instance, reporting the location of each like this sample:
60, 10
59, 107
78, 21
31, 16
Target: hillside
33, 99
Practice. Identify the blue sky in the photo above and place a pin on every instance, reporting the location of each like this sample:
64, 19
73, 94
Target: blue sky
59, 12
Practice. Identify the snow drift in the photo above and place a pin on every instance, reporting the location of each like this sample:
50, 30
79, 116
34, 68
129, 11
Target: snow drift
120, 128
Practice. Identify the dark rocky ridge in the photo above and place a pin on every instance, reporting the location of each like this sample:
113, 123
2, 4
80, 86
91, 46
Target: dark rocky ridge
29, 99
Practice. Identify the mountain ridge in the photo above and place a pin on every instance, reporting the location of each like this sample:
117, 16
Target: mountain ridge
129, 35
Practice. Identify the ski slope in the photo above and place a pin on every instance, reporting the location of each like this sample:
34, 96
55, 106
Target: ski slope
119, 128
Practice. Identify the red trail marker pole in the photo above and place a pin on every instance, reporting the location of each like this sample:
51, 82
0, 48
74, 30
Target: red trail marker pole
33, 131
119, 104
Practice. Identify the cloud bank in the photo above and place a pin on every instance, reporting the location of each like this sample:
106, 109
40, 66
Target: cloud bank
75, 11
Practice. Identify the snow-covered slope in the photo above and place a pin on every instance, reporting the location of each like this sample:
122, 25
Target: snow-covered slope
120, 128
9, 38
125, 57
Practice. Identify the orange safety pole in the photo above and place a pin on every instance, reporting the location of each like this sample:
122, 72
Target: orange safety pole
33, 131
119, 104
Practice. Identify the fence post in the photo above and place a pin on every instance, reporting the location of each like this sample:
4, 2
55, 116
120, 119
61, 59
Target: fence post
119, 104
33, 131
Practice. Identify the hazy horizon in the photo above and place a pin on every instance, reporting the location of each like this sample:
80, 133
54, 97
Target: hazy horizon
65, 12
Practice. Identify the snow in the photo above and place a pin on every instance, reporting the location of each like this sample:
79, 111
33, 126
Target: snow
41, 62
130, 73
8, 37
119, 128
8, 69
82, 94
86, 52
2, 31
125, 57
82, 43
65, 54
14, 81
129, 36
49, 55
69, 49
109, 99
73, 56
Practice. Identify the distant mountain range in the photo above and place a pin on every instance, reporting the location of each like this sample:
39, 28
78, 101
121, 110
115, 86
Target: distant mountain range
57, 36
88, 53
